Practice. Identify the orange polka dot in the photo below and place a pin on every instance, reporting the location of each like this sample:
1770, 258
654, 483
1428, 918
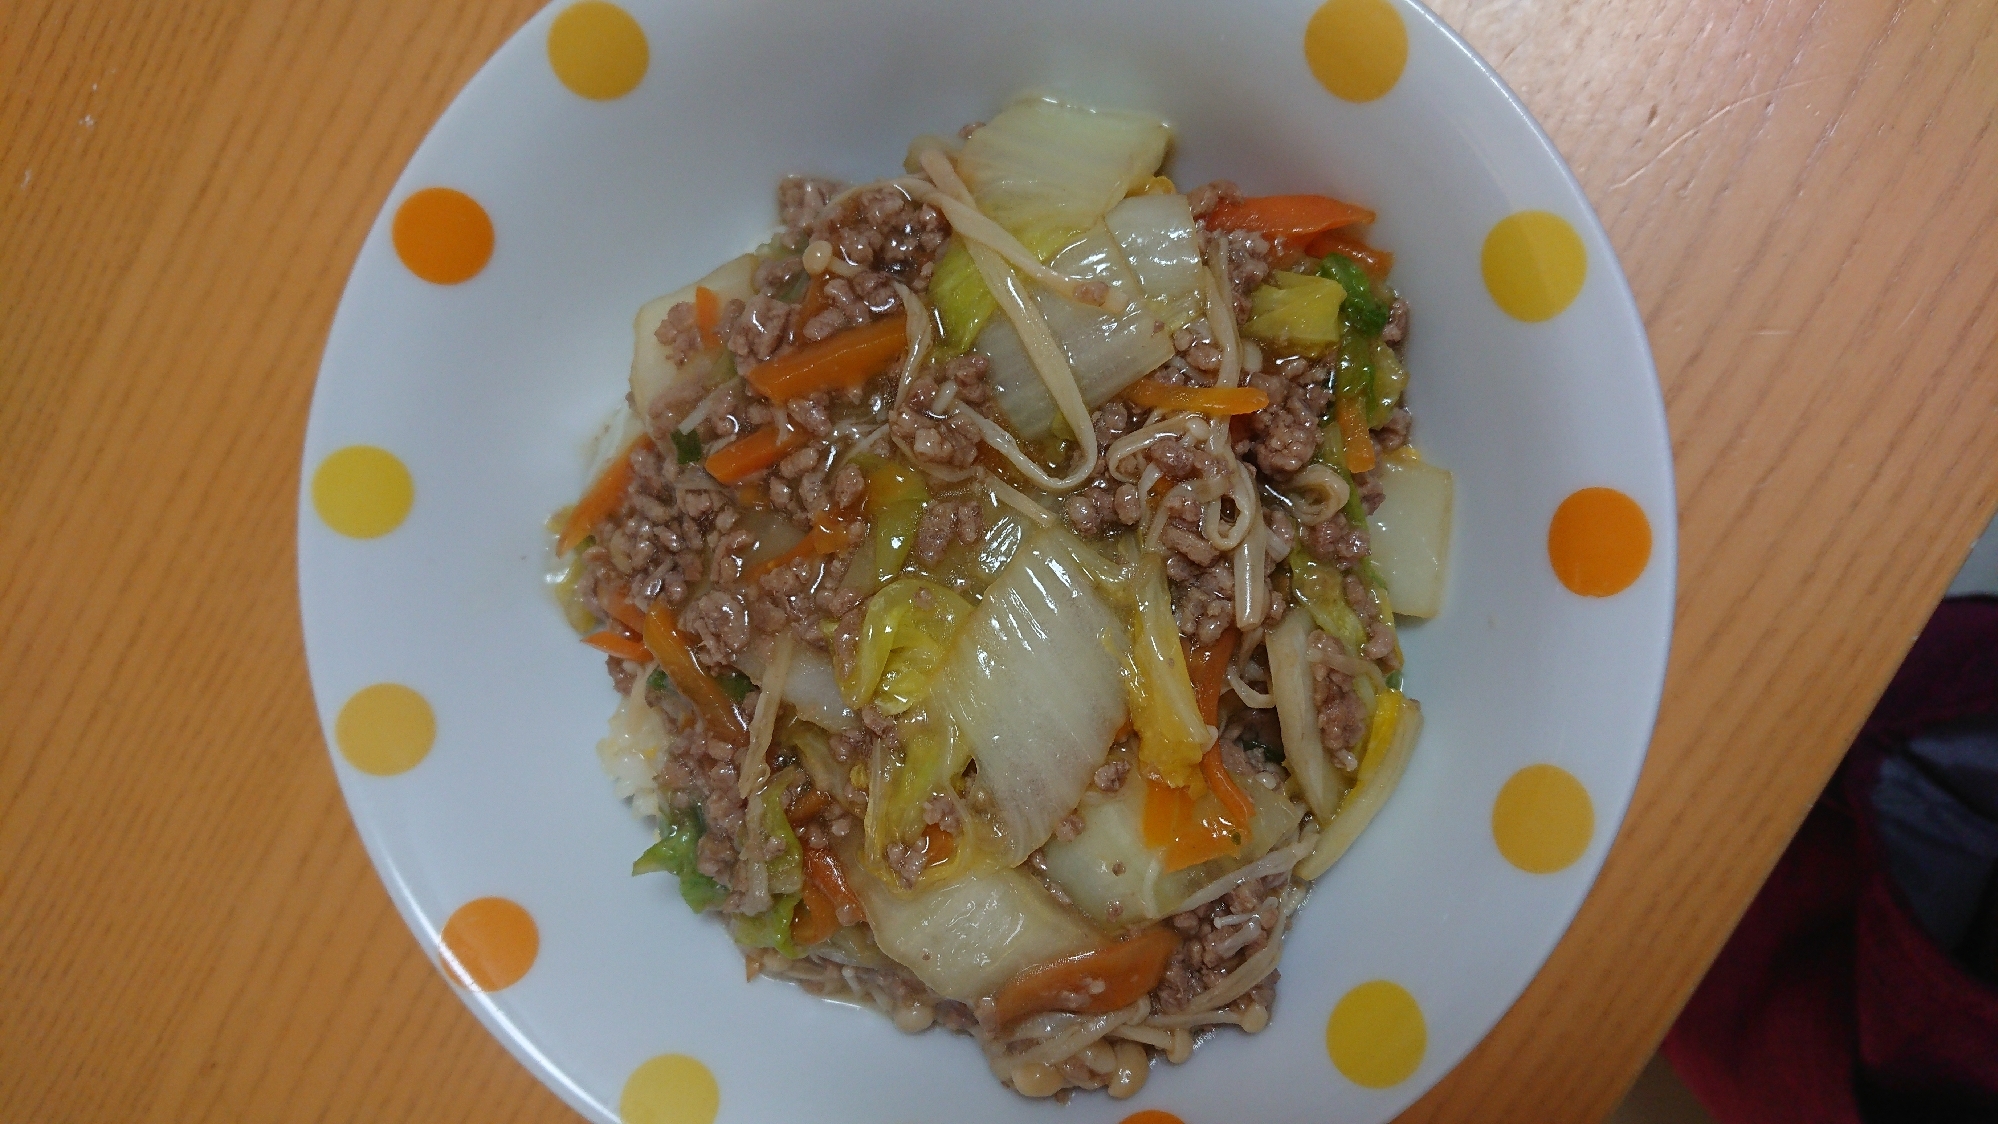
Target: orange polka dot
1543, 819
1357, 49
489, 944
597, 50
443, 235
1599, 542
1152, 1116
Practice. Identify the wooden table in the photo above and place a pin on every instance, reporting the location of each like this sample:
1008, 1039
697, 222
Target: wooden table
1805, 195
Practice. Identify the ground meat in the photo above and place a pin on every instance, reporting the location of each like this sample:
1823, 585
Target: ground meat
623, 673
1395, 333
927, 423
1105, 503
1368, 485
801, 198
1337, 541
1342, 718
882, 230
733, 412
759, 328
1207, 196
1069, 827
944, 523
658, 544
1283, 436
1380, 645
1394, 432
803, 595
798, 488
680, 332
1215, 939
774, 276
1109, 777
849, 487
721, 619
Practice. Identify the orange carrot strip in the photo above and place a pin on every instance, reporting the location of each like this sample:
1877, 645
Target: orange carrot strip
1375, 262
1210, 838
746, 456
1209, 668
604, 495
676, 657
808, 805
707, 314
1287, 215
813, 303
942, 845
1240, 811
617, 642
1128, 970
1220, 401
844, 361
822, 869
618, 604
1167, 812
1353, 428
814, 919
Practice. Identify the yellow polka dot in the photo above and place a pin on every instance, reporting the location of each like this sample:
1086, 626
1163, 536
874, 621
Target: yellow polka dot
1376, 1034
385, 729
597, 50
670, 1089
489, 944
1534, 263
1356, 48
442, 235
1598, 542
362, 492
1543, 819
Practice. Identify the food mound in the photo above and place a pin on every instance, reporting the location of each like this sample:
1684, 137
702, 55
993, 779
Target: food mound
999, 570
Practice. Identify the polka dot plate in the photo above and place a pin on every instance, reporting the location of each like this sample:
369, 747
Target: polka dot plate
611, 152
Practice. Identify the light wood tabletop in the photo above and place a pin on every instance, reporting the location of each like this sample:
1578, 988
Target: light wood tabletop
1804, 194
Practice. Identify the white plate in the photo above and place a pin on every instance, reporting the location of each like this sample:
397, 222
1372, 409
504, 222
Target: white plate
486, 392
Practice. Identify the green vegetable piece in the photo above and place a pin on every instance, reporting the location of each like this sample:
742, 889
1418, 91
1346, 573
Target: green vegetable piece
679, 839
1297, 312
795, 291
1365, 312
1355, 375
771, 928
735, 685
686, 446
903, 638
1322, 591
1394, 680
896, 497
657, 681
787, 870
1390, 379
963, 304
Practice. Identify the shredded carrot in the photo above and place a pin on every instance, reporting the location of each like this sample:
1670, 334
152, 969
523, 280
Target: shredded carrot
825, 537
753, 496
1208, 666
942, 845
676, 657
1220, 401
1353, 429
814, 919
1290, 216
822, 869
1167, 809
1211, 837
1376, 263
844, 361
808, 805
746, 456
604, 495
617, 642
707, 314
1127, 970
1241, 812
810, 305
612, 596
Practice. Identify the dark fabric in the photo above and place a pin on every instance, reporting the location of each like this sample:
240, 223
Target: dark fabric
1832, 1003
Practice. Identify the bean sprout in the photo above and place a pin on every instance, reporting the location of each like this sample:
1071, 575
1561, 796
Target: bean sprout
756, 757
1005, 493
967, 220
1317, 493
1252, 588
1221, 314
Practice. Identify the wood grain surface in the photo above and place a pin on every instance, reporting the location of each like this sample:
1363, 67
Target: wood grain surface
1804, 194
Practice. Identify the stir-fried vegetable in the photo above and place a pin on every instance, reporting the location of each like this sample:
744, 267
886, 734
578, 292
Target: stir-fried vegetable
1297, 714
1376, 262
1364, 310
618, 641
1410, 532
1041, 167
746, 456
1296, 312
1112, 865
967, 937
842, 362
1042, 633
904, 638
1160, 240
1172, 734
1321, 588
679, 837
769, 929
662, 389
605, 493
962, 302
1287, 216
1091, 983
1358, 441
671, 648
896, 496
1390, 379
1391, 737
1219, 401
